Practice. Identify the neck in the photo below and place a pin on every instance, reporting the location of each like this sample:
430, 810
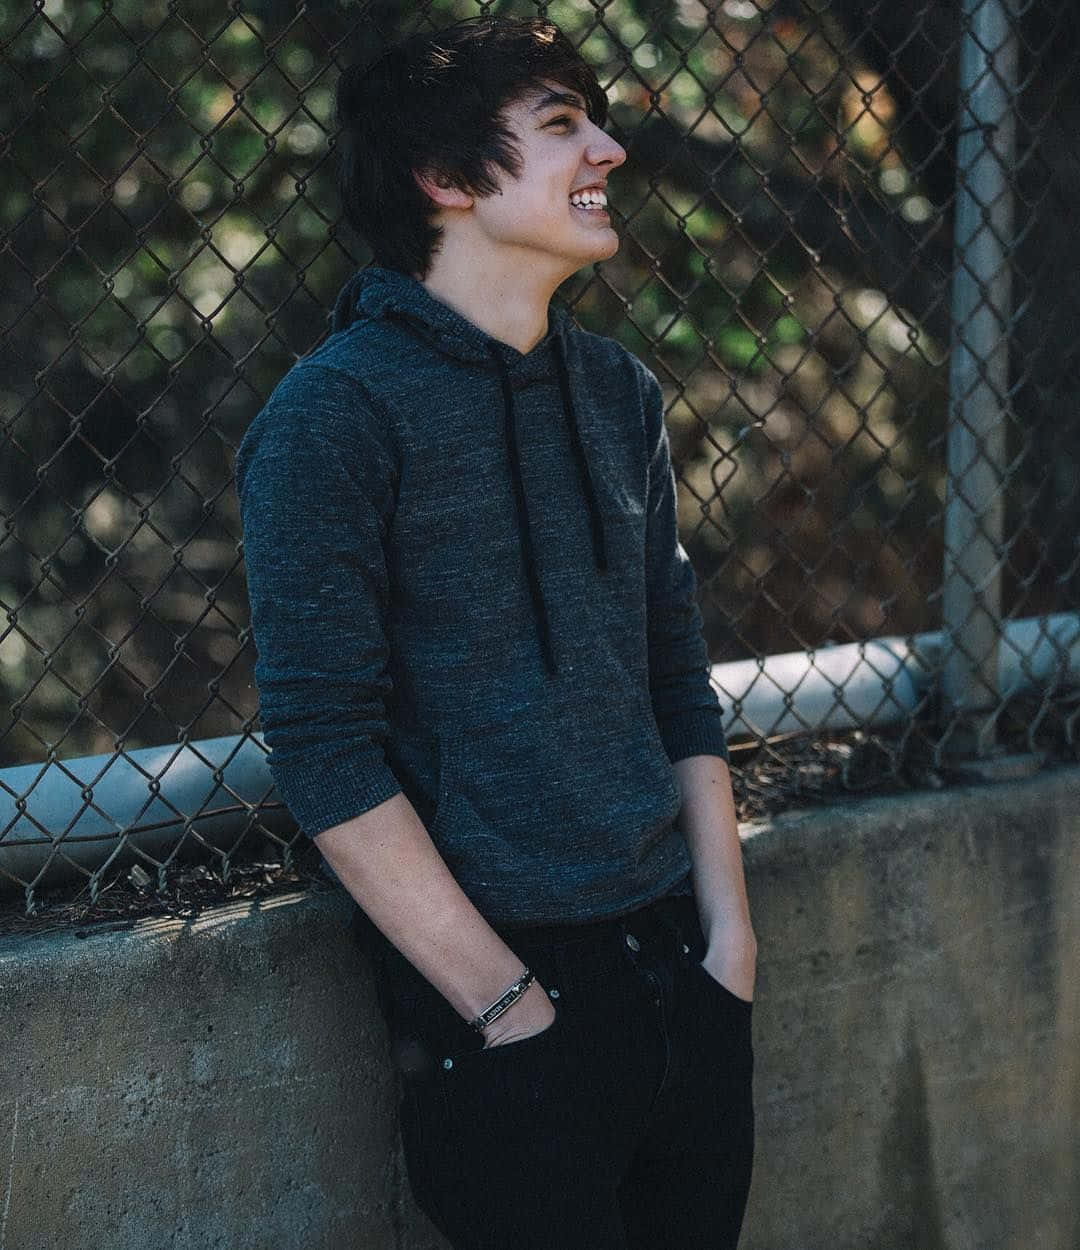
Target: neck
509, 304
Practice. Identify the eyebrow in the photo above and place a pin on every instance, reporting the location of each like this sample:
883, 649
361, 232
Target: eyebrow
559, 97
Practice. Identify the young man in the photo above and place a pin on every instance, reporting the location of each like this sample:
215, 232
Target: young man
483, 679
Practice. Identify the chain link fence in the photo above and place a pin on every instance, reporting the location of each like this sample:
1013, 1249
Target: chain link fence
847, 252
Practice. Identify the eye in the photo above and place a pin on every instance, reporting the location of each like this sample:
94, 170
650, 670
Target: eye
564, 120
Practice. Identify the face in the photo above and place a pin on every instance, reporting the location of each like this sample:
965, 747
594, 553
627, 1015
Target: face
533, 220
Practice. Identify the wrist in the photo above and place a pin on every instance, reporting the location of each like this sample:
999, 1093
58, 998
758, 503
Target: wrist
505, 1002
531, 1014
730, 934
724, 914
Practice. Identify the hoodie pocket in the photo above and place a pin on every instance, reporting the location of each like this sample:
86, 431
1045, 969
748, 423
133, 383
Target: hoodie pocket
550, 794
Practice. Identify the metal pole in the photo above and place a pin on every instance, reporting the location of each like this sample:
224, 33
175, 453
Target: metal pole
143, 802
979, 377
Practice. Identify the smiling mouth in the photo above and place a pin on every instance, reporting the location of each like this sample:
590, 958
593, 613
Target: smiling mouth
590, 200
598, 212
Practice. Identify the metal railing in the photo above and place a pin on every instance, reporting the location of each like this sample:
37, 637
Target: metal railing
846, 253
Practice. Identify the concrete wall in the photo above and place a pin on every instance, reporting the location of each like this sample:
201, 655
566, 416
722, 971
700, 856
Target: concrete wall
224, 1082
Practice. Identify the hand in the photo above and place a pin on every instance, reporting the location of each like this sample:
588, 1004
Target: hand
731, 959
531, 1014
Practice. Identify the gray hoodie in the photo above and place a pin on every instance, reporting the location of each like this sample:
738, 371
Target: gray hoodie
466, 585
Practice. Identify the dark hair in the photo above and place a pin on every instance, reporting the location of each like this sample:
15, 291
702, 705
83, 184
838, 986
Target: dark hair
432, 102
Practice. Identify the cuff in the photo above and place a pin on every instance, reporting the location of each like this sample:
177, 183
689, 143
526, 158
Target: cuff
699, 731
326, 790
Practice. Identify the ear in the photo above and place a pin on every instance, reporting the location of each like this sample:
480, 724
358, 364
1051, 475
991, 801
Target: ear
437, 188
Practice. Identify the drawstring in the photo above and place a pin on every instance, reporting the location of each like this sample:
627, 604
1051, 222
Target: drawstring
595, 519
345, 310
527, 552
543, 625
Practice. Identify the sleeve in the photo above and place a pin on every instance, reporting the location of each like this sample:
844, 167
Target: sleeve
314, 510
687, 710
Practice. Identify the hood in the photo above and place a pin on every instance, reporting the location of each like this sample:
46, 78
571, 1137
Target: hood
378, 293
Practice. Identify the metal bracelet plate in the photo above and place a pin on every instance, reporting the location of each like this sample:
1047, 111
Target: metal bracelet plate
501, 1004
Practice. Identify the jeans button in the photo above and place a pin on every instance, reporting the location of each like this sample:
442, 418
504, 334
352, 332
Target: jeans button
632, 942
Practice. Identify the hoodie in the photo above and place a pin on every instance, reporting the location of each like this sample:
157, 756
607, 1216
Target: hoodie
467, 586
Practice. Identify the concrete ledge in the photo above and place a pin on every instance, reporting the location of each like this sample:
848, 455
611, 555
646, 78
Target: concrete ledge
224, 1082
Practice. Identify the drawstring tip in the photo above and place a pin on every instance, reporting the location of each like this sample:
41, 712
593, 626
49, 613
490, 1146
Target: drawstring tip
599, 545
549, 658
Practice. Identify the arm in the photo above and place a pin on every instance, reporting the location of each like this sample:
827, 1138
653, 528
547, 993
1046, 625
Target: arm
708, 821
690, 722
389, 864
315, 494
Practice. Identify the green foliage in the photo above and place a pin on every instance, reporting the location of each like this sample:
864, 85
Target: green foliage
174, 243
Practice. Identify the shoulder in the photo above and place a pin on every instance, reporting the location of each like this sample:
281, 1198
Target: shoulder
330, 394
604, 357
318, 410
624, 383
372, 351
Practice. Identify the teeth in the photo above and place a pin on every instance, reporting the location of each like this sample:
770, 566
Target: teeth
582, 199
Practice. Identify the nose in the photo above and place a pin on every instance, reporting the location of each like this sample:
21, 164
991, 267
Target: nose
603, 150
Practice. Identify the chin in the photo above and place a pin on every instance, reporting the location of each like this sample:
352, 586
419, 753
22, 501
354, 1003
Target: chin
605, 253
602, 248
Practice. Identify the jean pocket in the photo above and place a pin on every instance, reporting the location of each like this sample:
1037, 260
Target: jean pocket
522, 1083
745, 1004
509, 1050
721, 1023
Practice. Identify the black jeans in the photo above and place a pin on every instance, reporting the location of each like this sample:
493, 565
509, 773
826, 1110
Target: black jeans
628, 1124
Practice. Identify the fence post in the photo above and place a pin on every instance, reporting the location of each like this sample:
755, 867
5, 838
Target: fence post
979, 376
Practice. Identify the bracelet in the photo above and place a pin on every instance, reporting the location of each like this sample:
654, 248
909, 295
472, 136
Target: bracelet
500, 1005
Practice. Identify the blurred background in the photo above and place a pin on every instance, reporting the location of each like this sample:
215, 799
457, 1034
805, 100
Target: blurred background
794, 268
